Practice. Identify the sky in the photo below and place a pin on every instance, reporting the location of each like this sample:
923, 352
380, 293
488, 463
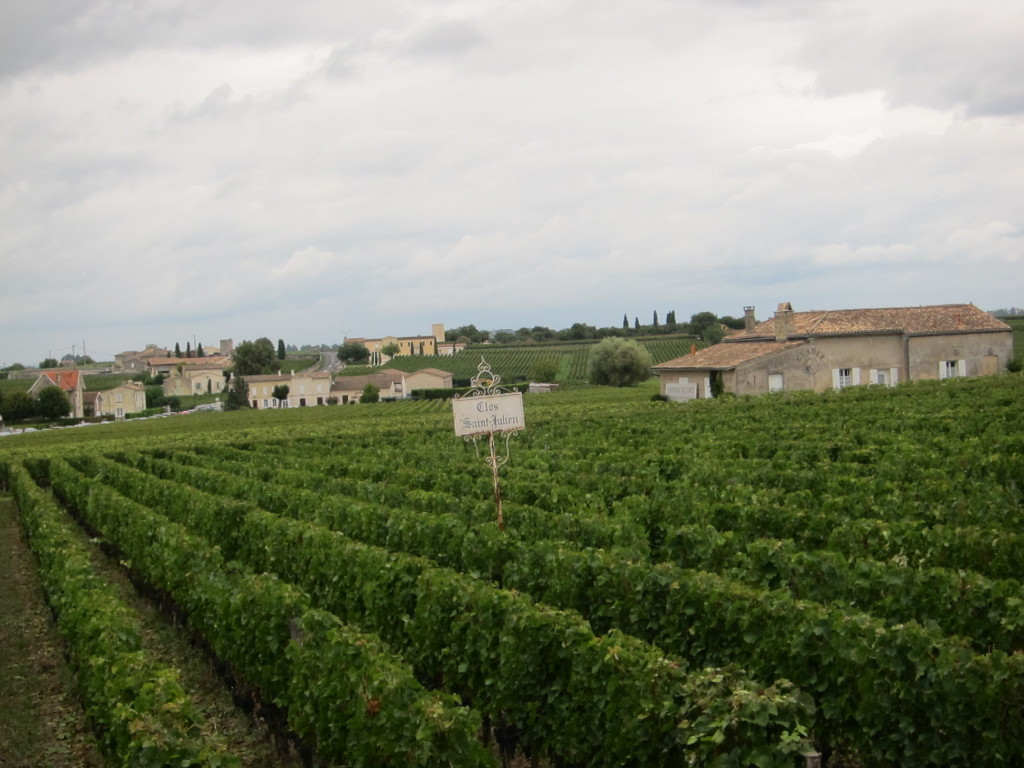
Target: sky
186, 170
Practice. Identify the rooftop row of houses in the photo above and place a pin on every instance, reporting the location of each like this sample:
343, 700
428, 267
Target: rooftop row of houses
318, 388
140, 361
819, 350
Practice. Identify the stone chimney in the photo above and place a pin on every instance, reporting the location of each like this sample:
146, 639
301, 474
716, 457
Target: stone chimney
749, 323
783, 321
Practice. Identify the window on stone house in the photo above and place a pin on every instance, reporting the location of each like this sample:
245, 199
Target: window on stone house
950, 369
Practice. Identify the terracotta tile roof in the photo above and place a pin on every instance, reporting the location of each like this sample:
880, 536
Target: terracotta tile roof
357, 383
66, 380
434, 371
264, 378
723, 357
913, 321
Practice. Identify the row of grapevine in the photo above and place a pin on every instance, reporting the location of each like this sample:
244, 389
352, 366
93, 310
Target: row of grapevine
990, 612
864, 544
420, 608
142, 714
669, 606
342, 691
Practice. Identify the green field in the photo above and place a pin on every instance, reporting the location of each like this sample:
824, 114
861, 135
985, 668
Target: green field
726, 582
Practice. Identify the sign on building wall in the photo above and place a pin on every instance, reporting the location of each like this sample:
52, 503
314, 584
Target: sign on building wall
680, 391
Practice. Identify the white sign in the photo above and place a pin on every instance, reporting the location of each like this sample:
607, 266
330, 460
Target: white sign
680, 392
488, 413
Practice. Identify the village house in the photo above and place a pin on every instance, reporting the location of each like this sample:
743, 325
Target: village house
304, 389
819, 350
71, 382
349, 389
427, 378
196, 378
119, 401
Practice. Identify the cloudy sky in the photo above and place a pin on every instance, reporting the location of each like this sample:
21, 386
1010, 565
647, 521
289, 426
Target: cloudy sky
185, 169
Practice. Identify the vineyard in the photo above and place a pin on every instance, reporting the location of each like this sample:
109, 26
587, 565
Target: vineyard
514, 363
718, 583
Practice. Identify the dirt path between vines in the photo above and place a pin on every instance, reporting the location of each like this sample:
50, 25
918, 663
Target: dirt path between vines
41, 722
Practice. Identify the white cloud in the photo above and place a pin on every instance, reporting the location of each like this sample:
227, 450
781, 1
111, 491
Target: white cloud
451, 161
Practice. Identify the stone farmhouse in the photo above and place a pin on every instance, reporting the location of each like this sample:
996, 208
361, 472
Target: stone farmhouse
819, 350
196, 376
119, 401
73, 384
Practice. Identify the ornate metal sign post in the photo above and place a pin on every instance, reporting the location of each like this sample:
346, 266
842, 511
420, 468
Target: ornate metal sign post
485, 410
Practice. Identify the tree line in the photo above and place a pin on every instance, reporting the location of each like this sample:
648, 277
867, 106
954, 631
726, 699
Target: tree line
706, 326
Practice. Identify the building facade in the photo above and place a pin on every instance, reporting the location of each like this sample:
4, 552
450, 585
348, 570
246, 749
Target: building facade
73, 384
304, 389
405, 345
821, 350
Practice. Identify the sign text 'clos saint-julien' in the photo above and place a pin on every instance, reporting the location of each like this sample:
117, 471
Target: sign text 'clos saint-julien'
488, 413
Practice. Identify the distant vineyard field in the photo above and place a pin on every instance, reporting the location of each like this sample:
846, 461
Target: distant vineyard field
515, 363
721, 582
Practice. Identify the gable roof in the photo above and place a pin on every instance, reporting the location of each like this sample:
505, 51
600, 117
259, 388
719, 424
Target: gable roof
358, 383
69, 381
284, 378
913, 321
724, 357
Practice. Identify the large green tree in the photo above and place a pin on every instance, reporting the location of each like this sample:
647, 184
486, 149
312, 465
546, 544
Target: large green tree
282, 353
707, 326
238, 395
619, 363
281, 394
254, 358
18, 406
371, 394
351, 352
53, 403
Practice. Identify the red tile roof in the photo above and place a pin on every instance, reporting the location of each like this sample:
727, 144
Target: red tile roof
67, 380
912, 321
745, 346
724, 357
